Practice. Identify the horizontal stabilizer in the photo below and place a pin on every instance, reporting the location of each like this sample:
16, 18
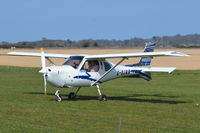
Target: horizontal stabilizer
160, 69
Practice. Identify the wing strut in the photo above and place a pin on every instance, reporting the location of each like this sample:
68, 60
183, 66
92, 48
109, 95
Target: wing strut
109, 70
50, 61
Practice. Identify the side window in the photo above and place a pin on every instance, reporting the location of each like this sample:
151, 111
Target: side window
107, 66
91, 66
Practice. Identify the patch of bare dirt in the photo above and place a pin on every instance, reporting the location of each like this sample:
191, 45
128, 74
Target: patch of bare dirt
182, 63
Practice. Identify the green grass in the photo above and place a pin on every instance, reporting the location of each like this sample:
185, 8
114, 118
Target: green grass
167, 104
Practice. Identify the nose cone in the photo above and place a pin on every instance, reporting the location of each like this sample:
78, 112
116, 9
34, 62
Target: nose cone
43, 71
58, 75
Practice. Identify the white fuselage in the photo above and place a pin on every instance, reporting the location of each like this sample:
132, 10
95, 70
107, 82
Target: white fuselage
67, 76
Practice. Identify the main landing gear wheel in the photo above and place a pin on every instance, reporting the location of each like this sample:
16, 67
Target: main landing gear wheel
71, 96
102, 97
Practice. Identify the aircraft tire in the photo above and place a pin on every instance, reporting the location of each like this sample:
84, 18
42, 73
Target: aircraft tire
58, 99
71, 96
102, 97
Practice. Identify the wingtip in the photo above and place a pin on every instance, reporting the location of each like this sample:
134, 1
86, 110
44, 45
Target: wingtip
187, 55
174, 53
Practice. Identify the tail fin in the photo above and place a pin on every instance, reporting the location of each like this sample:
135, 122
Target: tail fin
146, 61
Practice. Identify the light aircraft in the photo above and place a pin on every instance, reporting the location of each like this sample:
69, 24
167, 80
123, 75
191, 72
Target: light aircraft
92, 70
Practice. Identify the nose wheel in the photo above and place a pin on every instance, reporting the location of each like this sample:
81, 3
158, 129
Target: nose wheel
58, 97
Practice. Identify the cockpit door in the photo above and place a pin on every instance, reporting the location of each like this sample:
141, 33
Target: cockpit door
91, 70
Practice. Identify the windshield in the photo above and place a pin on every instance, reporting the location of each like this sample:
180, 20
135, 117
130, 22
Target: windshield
74, 61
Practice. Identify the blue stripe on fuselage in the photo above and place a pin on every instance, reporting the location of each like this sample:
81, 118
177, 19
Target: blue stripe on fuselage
136, 71
87, 77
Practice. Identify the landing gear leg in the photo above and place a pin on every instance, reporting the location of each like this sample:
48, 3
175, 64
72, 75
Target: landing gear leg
58, 97
72, 95
102, 97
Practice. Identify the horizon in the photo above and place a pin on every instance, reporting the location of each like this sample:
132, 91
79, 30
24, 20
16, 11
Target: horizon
49, 39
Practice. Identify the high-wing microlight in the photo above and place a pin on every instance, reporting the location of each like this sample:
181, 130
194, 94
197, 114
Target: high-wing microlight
92, 70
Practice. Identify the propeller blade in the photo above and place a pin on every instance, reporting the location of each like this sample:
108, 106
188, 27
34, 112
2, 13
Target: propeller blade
45, 85
43, 70
43, 62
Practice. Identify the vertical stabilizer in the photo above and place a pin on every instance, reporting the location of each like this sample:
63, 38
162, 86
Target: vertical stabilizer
146, 61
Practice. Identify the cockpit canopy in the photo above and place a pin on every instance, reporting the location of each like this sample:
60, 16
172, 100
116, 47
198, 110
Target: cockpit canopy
88, 65
74, 61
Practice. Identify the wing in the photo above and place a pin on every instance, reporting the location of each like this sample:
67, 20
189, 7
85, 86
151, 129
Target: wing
102, 56
51, 55
132, 55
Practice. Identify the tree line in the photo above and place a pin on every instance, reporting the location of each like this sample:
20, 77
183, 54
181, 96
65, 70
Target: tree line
177, 41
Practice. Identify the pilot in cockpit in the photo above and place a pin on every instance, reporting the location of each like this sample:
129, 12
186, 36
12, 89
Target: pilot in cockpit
93, 66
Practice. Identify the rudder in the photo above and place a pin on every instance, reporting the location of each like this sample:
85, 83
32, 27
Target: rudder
146, 61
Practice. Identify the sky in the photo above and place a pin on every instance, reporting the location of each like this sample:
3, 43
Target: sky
31, 20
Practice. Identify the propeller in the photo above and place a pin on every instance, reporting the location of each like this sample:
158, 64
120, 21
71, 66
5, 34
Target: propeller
43, 70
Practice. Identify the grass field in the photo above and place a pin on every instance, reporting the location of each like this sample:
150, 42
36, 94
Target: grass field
167, 104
